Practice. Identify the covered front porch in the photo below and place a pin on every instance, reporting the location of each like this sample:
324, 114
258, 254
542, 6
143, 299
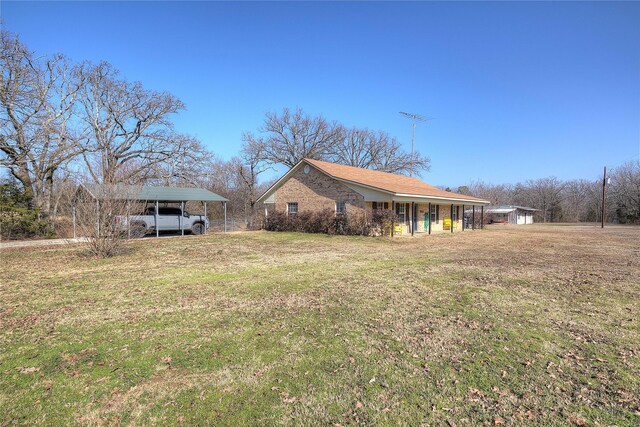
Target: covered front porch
431, 216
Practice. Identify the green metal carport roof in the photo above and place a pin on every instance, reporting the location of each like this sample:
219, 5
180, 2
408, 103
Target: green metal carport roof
149, 193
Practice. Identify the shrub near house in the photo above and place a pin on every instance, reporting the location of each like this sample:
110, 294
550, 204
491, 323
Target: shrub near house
379, 222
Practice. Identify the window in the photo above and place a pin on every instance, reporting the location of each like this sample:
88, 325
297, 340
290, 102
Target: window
454, 214
400, 212
292, 208
162, 211
380, 205
435, 213
169, 211
341, 207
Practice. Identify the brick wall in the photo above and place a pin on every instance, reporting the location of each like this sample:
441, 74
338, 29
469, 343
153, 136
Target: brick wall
316, 191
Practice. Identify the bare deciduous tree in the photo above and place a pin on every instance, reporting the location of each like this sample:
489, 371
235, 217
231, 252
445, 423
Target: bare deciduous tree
187, 168
37, 98
575, 200
126, 123
102, 220
545, 195
367, 149
497, 194
248, 168
625, 192
290, 137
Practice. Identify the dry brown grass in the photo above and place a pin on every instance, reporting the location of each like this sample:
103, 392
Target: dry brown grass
523, 325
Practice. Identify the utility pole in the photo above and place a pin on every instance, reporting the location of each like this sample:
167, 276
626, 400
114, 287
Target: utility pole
604, 184
415, 118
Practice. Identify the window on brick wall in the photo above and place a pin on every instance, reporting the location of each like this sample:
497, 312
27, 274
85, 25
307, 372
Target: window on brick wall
292, 208
435, 213
400, 211
341, 207
380, 205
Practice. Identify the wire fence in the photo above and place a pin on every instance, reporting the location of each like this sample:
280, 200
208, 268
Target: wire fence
232, 225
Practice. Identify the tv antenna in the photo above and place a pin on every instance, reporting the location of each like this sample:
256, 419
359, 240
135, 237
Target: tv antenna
414, 118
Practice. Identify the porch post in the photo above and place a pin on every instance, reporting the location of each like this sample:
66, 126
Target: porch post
462, 217
473, 217
482, 217
413, 219
155, 217
451, 215
225, 216
393, 223
429, 217
205, 218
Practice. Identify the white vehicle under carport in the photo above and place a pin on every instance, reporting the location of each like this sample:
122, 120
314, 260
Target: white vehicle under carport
168, 219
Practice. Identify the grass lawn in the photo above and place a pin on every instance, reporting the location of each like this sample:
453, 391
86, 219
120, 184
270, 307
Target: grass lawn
508, 326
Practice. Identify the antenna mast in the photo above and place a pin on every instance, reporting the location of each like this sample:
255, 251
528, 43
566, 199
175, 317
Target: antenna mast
415, 118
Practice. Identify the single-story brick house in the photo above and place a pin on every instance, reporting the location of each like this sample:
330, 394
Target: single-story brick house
313, 185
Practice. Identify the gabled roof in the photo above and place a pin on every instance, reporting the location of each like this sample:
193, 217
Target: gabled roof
148, 193
394, 184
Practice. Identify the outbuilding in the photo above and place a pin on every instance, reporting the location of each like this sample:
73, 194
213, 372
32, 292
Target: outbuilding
509, 214
314, 185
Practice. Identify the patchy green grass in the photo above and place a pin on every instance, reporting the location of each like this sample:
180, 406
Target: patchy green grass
515, 326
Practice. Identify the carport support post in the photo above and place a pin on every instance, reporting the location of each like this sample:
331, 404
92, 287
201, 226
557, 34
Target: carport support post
429, 217
462, 217
393, 223
205, 217
182, 218
225, 216
482, 217
155, 217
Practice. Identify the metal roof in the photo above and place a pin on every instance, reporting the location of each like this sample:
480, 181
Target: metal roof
508, 209
148, 193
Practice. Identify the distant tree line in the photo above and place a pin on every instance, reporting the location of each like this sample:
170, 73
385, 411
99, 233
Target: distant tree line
577, 200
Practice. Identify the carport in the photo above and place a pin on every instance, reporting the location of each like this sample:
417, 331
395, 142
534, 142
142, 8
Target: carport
155, 194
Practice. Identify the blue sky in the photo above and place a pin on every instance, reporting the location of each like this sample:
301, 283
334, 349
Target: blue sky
516, 90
